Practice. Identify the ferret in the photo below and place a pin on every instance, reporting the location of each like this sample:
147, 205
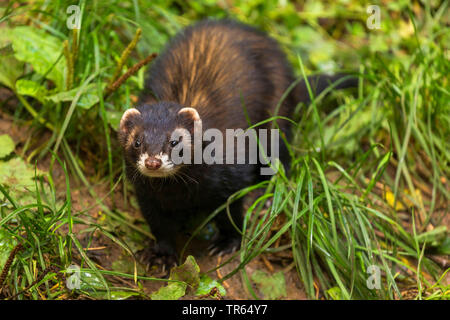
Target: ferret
221, 74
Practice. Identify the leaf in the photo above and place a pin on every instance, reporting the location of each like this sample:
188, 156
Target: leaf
6, 145
32, 89
10, 70
122, 295
17, 173
87, 99
207, 284
188, 272
90, 281
18, 177
272, 286
41, 50
173, 291
335, 293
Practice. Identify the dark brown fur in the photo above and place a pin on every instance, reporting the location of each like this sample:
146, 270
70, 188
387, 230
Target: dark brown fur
216, 67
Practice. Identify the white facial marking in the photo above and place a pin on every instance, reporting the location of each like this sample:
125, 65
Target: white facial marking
167, 167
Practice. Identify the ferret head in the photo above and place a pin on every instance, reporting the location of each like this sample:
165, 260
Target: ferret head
150, 133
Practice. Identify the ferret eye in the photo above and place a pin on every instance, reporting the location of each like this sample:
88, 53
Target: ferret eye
137, 143
173, 143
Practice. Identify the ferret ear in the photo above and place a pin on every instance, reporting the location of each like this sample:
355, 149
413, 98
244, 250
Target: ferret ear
189, 114
126, 123
190, 118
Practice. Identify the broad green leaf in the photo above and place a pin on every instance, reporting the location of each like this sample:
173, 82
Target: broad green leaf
335, 293
41, 50
18, 177
87, 99
90, 281
31, 88
188, 272
6, 145
16, 174
207, 284
10, 70
173, 291
271, 286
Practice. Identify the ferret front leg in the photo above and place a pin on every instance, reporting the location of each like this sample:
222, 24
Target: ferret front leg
229, 239
164, 229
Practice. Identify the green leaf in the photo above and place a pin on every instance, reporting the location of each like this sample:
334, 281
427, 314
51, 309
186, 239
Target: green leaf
41, 50
6, 145
188, 272
173, 291
87, 99
271, 286
18, 177
17, 173
122, 295
90, 281
207, 284
335, 293
32, 89
10, 70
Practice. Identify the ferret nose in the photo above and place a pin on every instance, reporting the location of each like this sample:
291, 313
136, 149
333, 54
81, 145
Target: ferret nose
152, 163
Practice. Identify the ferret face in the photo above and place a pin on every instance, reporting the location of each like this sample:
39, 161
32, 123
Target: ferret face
149, 135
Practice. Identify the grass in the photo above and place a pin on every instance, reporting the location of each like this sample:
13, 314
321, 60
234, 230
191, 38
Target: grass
369, 179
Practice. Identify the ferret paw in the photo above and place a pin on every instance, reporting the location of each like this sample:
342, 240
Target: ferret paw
159, 255
224, 245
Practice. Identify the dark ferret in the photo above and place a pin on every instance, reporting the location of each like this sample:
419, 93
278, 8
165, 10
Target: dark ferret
222, 74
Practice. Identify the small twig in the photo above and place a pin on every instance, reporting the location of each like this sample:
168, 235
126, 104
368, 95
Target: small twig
8, 263
219, 274
213, 293
111, 88
267, 263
